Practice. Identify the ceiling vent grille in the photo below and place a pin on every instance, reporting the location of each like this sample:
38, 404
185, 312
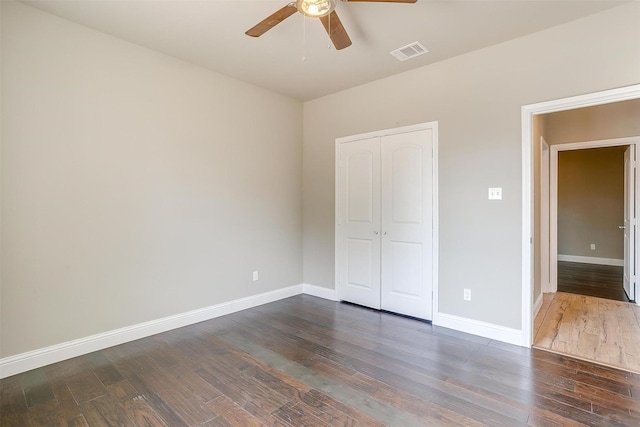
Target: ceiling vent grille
409, 51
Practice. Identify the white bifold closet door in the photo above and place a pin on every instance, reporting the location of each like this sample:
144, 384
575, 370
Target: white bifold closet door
384, 222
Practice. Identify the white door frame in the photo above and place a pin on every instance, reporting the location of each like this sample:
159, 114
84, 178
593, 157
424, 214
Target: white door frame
434, 219
553, 196
545, 264
528, 111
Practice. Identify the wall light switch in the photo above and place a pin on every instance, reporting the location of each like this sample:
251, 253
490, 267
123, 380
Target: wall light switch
593, 246
255, 276
495, 193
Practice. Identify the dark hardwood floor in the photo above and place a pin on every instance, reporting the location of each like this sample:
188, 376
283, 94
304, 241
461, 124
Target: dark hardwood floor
602, 281
304, 361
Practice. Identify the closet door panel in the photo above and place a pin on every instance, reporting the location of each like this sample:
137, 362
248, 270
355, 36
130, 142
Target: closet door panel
358, 222
407, 235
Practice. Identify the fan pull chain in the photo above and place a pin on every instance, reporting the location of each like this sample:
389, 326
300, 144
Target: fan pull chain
304, 38
329, 44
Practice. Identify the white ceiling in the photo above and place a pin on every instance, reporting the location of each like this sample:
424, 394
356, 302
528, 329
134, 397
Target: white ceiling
294, 58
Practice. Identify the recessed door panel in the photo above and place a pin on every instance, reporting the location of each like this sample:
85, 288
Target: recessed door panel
360, 187
406, 184
406, 269
360, 263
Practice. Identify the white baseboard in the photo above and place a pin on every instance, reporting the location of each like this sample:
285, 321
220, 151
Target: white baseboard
483, 329
45, 356
537, 305
320, 291
592, 260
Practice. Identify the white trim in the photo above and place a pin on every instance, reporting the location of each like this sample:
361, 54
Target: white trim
538, 304
528, 111
545, 165
23, 362
476, 327
387, 132
591, 260
435, 218
602, 143
553, 221
319, 291
527, 229
553, 198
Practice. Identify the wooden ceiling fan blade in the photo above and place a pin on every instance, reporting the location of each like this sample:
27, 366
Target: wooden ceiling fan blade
272, 20
382, 1
336, 31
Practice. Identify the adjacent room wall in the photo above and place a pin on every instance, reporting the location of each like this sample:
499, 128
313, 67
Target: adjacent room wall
608, 121
591, 202
132, 186
477, 100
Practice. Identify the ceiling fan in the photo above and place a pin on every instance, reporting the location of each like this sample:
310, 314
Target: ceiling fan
322, 9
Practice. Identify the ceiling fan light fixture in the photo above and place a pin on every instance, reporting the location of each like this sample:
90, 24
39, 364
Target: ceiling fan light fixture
315, 8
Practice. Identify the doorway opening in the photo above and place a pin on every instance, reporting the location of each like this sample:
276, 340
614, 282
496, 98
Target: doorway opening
533, 233
582, 226
592, 205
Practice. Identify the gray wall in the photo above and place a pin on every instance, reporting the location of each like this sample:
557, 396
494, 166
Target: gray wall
132, 186
477, 100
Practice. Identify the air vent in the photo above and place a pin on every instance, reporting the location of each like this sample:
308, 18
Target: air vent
409, 51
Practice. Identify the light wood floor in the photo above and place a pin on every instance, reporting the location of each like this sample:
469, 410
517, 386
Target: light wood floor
590, 328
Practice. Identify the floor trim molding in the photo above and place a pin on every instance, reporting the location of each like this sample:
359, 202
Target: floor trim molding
592, 260
23, 362
538, 304
483, 329
320, 292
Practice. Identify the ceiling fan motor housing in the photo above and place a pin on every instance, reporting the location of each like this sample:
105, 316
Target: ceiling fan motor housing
315, 8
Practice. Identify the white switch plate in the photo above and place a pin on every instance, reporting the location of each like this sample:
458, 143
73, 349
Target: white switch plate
467, 294
495, 193
255, 276
593, 246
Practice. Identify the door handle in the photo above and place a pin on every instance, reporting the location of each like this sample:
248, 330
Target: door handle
621, 227
375, 232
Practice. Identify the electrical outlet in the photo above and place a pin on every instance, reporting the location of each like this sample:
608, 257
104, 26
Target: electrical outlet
467, 294
255, 276
593, 246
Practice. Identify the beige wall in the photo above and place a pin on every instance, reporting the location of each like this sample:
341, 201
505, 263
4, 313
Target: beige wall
591, 202
132, 186
477, 100
615, 120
